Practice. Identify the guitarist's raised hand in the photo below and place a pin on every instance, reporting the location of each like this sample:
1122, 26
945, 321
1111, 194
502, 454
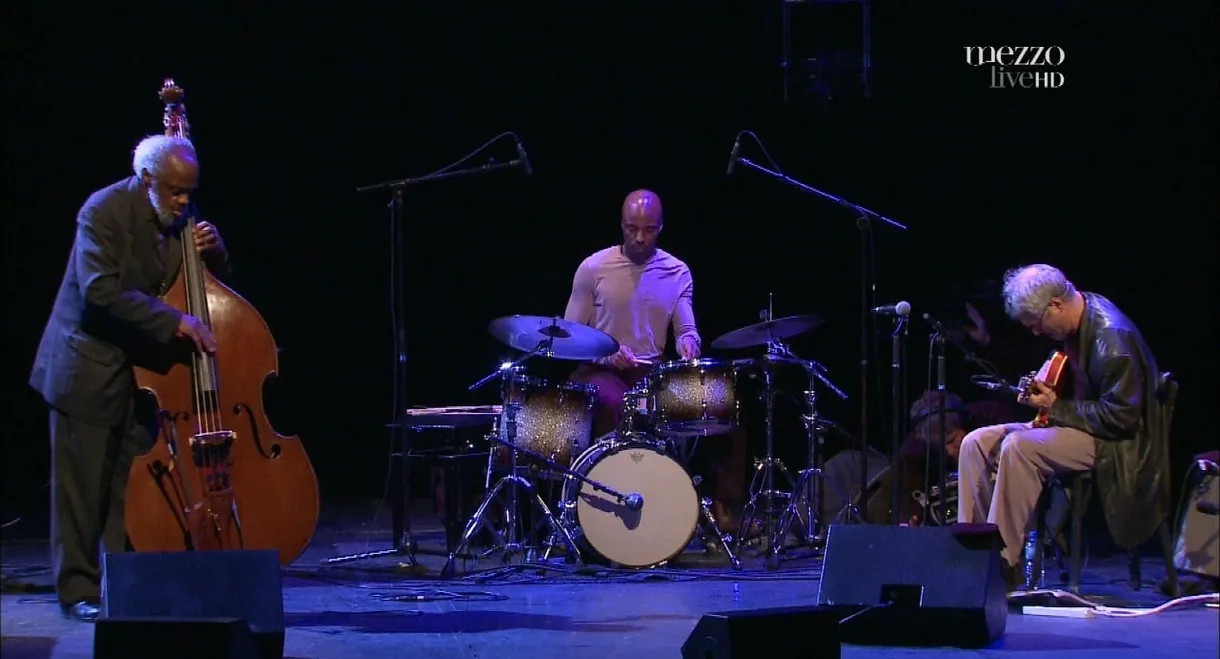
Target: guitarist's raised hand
978, 331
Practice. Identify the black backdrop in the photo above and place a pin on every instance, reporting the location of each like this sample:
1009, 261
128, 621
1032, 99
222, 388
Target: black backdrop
1109, 177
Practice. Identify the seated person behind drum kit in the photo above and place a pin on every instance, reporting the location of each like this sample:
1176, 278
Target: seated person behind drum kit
633, 292
1109, 418
919, 456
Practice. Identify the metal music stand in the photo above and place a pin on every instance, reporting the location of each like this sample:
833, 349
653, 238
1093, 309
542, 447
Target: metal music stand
400, 435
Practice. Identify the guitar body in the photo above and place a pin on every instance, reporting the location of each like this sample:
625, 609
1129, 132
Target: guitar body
1052, 375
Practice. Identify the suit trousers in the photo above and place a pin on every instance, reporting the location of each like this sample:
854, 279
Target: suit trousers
89, 469
1003, 468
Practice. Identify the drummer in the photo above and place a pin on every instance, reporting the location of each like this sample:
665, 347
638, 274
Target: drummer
635, 292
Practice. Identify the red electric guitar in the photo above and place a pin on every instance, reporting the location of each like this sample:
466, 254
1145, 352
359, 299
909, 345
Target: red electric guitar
1052, 375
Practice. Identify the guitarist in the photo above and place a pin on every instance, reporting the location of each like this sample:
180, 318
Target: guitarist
1104, 414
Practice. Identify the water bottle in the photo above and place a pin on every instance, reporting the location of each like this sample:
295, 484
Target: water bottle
1032, 547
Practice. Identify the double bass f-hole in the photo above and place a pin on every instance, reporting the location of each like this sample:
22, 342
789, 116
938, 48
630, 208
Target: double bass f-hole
241, 409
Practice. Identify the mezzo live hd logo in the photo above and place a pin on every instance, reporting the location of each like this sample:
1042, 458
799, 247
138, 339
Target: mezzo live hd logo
1019, 67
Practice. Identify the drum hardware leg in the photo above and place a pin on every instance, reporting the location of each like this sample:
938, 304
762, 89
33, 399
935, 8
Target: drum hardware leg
765, 472
559, 531
759, 494
805, 485
711, 531
509, 545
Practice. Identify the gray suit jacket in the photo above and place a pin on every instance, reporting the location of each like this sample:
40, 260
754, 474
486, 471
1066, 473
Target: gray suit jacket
107, 315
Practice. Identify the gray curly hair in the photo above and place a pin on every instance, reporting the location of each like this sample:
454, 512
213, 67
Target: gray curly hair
1028, 290
153, 151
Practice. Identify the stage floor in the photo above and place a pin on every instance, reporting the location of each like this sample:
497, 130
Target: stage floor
376, 608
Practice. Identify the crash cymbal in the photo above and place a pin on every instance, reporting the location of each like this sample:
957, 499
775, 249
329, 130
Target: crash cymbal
759, 334
566, 340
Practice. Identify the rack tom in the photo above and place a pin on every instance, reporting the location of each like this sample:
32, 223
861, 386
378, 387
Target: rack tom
694, 397
553, 420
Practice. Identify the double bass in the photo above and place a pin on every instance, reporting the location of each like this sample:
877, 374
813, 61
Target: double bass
217, 476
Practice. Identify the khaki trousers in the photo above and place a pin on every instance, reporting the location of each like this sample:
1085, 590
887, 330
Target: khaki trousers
1002, 470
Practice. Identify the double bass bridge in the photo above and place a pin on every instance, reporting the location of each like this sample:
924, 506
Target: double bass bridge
213, 522
212, 454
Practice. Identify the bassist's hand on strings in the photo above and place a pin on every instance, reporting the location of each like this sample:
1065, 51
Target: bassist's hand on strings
192, 328
207, 239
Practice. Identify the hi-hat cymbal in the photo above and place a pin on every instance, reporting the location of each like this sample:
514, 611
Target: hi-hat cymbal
565, 339
760, 334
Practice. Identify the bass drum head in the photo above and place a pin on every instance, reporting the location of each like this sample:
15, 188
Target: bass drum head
660, 529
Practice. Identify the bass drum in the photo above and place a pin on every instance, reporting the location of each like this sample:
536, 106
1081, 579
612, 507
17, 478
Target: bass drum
606, 530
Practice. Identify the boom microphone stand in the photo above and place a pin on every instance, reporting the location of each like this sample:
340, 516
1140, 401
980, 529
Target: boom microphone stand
400, 433
864, 221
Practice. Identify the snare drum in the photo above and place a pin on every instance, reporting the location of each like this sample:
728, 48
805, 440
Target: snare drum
607, 530
554, 420
636, 412
694, 397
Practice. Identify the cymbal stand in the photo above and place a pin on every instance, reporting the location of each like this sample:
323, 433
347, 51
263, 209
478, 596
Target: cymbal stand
811, 479
762, 485
508, 543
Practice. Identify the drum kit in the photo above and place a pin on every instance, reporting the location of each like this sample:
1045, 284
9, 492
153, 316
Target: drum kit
627, 500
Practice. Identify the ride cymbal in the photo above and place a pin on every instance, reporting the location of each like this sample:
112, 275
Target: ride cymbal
760, 334
554, 337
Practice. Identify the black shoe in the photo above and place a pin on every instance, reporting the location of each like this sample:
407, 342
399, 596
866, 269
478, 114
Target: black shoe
82, 611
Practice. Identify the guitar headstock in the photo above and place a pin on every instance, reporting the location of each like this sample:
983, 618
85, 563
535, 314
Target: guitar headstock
174, 118
1025, 387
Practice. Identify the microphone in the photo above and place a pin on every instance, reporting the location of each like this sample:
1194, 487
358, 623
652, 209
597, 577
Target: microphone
525, 159
633, 501
901, 309
936, 324
733, 155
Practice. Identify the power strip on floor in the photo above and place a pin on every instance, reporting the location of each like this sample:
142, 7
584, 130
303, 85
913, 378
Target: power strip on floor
1058, 611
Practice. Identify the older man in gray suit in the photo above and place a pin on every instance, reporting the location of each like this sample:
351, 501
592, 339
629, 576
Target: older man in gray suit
127, 252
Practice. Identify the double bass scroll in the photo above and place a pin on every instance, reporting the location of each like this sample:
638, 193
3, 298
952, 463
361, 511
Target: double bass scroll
218, 475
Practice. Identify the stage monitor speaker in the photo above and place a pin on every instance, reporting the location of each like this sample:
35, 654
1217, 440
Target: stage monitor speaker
916, 586
765, 632
1198, 546
197, 593
184, 638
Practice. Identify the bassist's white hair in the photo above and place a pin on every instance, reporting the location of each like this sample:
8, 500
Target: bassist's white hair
1028, 290
153, 151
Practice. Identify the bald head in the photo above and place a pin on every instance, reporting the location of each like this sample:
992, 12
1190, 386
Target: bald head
641, 225
642, 204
